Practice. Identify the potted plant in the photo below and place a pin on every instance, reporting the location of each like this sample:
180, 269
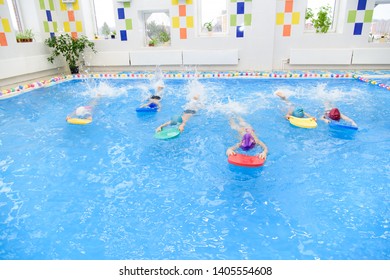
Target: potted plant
322, 20
152, 42
208, 26
113, 34
70, 48
25, 36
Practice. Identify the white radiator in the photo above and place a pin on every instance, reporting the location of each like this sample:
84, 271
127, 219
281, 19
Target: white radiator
155, 57
25, 65
107, 59
321, 56
210, 57
371, 56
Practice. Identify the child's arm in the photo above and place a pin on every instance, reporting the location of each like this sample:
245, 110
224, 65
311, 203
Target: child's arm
264, 153
231, 150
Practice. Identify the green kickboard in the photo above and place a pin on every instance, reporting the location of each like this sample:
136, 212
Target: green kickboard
167, 133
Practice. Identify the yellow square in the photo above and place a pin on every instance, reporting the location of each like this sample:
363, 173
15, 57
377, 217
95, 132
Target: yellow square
189, 2
190, 22
79, 26
295, 18
6, 26
76, 6
66, 26
279, 18
175, 2
63, 6
175, 22
1, 2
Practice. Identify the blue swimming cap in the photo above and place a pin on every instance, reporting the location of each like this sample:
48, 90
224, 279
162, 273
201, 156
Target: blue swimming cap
298, 112
176, 120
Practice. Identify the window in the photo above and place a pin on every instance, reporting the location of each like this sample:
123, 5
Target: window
15, 17
104, 18
380, 26
320, 16
157, 29
213, 16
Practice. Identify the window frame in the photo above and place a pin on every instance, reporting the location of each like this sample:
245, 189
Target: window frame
202, 30
146, 38
335, 18
13, 7
97, 29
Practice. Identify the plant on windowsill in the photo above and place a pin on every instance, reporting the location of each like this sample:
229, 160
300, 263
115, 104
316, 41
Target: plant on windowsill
106, 30
25, 36
70, 48
322, 20
208, 26
152, 42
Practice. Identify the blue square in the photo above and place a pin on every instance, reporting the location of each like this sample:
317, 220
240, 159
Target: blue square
52, 34
48, 15
362, 5
240, 8
121, 13
123, 34
239, 32
358, 28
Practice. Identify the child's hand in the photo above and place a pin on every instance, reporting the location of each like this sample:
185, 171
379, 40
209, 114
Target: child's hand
158, 129
263, 155
230, 152
181, 127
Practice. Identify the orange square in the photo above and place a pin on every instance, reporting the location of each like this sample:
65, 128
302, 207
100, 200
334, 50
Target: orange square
182, 10
287, 30
3, 40
71, 15
74, 35
183, 33
288, 8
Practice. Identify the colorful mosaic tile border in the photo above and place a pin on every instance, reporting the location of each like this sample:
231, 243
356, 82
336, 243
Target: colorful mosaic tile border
242, 16
360, 16
286, 16
125, 24
184, 18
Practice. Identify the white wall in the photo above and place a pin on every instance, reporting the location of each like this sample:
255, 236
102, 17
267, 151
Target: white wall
263, 48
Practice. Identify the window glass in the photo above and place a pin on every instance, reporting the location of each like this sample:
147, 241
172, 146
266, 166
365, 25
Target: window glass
104, 17
213, 16
380, 26
157, 29
320, 16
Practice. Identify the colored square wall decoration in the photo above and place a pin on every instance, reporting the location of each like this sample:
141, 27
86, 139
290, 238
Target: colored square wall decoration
183, 20
360, 16
242, 17
286, 17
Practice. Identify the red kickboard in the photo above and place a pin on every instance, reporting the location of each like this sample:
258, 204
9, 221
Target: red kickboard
245, 160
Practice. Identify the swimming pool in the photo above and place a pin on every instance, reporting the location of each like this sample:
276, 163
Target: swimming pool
109, 190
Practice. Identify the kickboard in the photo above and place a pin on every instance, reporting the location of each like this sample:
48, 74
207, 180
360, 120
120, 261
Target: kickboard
303, 122
167, 133
146, 109
245, 160
343, 126
79, 121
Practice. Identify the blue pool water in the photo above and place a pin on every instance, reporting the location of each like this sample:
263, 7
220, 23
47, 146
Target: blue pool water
109, 190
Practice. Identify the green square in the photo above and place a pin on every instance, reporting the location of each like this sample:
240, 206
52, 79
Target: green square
233, 20
233, 1
247, 19
248, 0
368, 15
126, 5
352, 16
55, 26
46, 26
42, 4
51, 4
129, 24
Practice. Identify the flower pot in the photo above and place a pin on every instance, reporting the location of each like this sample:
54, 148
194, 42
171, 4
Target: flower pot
74, 69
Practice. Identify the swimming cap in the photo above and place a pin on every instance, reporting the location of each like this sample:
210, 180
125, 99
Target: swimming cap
298, 112
82, 111
155, 97
176, 120
334, 114
247, 142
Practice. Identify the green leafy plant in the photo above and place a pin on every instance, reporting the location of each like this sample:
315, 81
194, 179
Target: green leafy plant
25, 36
70, 48
208, 26
322, 20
